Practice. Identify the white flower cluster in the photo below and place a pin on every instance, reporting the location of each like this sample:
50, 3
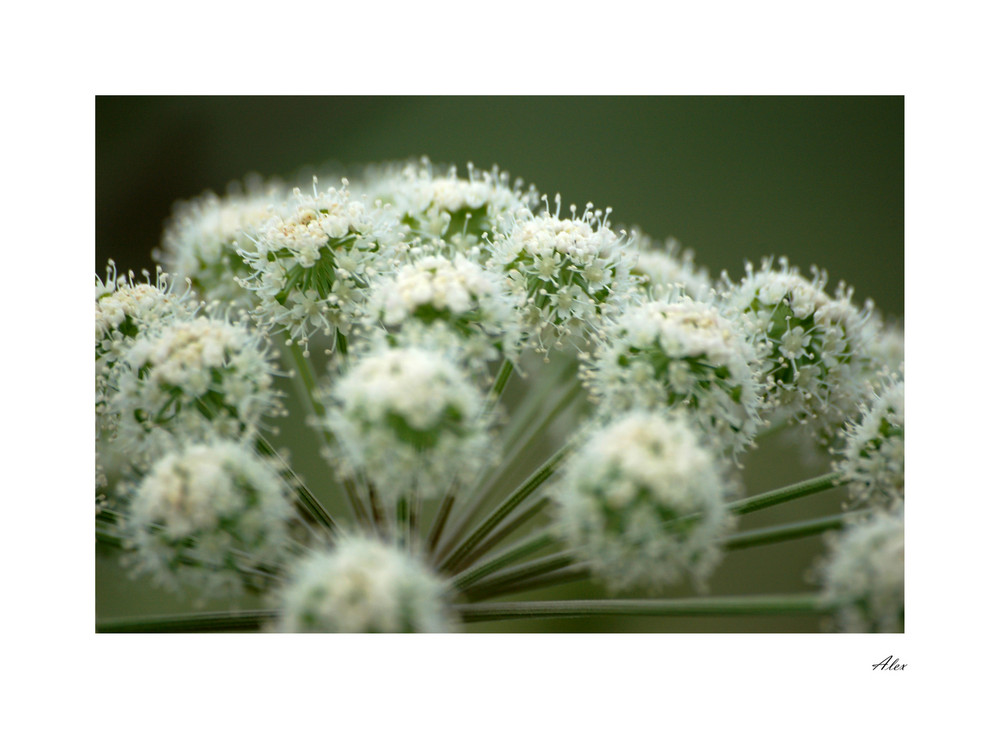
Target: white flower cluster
125, 308
210, 515
571, 272
872, 463
643, 503
680, 353
863, 576
199, 239
447, 212
452, 305
665, 268
363, 585
191, 379
817, 345
409, 420
312, 262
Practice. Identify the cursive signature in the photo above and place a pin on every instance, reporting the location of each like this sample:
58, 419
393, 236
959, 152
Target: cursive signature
889, 664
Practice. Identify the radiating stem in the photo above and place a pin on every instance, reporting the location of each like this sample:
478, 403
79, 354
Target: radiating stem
528, 546
441, 518
305, 384
509, 504
795, 604
785, 532
787, 493
528, 570
485, 488
244, 620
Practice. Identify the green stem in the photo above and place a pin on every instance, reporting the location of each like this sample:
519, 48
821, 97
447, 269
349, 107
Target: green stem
528, 570
514, 522
441, 518
243, 621
796, 604
509, 504
784, 532
485, 489
306, 385
530, 545
559, 568
787, 493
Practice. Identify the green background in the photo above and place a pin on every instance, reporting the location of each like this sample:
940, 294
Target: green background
818, 179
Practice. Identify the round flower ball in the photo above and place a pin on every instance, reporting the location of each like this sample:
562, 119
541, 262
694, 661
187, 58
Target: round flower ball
363, 585
199, 239
194, 379
409, 420
125, 309
643, 503
872, 462
680, 354
447, 212
862, 577
816, 346
570, 272
312, 261
213, 516
452, 305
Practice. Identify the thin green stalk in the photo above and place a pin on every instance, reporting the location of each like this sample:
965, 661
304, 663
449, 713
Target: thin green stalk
795, 604
513, 522
560, 576
484, 488
785, 532
528, 546
245, 620
534, 568
508, 505
787, 493
558, 568
305, 384
496, 392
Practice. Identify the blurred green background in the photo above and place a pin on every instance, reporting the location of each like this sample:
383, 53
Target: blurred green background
819, 179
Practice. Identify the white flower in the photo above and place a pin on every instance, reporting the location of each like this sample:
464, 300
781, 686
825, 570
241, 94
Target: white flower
680, 354
872, 462
663, 268
210, 515
311, 262
448, 212
199, 239
364, 586
817, 346
125, 309
193, 378
643, 503
572, 272
863, 575
409, 420
452, 305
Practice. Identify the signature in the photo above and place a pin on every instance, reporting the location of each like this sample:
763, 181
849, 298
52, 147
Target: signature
889, 664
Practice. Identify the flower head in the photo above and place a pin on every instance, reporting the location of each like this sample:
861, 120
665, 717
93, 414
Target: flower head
817, 346
199, 240
680, 354
666, 268
572, 272
872, 464
409, 419
312, 262
863, 575
193, 378
451, 305
211, 515
125, 309
643, 502
446, 211
364, 586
